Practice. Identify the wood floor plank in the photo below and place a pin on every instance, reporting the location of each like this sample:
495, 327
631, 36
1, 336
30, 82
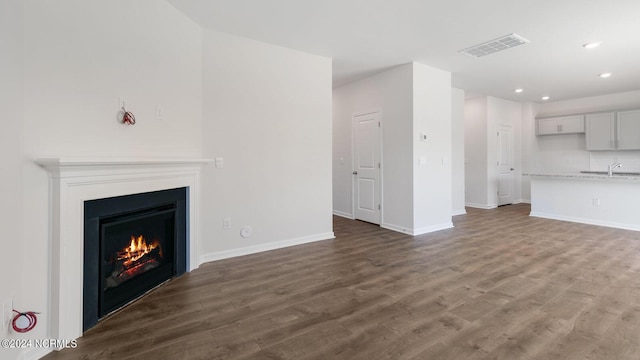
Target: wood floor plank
499, 285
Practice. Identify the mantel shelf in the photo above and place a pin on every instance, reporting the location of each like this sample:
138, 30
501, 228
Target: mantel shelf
57, 164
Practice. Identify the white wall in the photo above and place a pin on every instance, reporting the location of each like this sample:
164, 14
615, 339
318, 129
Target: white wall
11, 96
567, 153
79, 58
457, 152
391, 92
483, 115
432, 177
267, 113
475, 150
341, 155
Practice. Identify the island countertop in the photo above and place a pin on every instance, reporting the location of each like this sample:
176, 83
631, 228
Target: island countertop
594, 175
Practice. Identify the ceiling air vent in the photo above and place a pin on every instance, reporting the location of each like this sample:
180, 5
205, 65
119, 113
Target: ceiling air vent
493, 46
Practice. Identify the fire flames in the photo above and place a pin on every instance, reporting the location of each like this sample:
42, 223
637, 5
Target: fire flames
134, 259
137, 249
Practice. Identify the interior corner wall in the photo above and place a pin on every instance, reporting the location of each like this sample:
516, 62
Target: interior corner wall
79, 58
267, 114
457, 152
432, 170
475, 135
13, 247
391, 93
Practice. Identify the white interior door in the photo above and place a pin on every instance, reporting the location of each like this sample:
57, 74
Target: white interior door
366, 167
505, 166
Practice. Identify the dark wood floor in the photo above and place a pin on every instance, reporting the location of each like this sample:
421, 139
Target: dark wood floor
500, 285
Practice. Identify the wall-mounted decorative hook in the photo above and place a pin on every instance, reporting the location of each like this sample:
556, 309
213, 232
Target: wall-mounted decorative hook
127, 117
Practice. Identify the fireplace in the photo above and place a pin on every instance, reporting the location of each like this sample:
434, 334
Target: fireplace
75, 181
132, 244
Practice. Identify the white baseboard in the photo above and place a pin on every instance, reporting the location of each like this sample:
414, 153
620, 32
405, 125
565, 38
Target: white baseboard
397, 228
415, 232
226, 254
481, 206
586, 221
343, 214
493, 206
459, 212
430, 229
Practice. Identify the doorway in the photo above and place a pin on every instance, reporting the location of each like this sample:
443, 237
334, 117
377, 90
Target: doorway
505, 166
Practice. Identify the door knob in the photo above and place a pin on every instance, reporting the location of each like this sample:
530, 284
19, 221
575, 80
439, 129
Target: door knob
355, 173
512, 169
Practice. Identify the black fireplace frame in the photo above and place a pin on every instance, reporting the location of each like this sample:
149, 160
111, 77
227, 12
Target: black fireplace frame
97, 210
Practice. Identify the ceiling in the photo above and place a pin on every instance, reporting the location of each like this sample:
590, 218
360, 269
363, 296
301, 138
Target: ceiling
368, 36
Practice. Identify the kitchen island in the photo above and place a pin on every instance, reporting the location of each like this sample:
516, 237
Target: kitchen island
590, 198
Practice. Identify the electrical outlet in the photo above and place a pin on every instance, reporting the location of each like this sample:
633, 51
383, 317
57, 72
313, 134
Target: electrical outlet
246, 231
159, 112
7, 312
226, 223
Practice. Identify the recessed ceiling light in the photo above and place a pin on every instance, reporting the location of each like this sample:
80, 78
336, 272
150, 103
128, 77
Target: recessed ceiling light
545, 98
592, 45
604, 75
518, 90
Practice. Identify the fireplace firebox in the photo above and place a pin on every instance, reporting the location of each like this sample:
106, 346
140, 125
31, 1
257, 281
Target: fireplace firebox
132, 244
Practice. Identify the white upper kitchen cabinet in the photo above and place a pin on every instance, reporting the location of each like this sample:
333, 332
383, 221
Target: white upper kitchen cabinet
614, 131
601, 131
573, 124
628, 123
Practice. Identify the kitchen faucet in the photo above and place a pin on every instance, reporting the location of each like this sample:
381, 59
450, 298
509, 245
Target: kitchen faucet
613, 166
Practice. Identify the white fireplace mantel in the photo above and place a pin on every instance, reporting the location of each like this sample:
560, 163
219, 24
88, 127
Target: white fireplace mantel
60, 165
76, 180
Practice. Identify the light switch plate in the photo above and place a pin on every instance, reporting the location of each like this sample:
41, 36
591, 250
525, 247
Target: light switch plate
219, 162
